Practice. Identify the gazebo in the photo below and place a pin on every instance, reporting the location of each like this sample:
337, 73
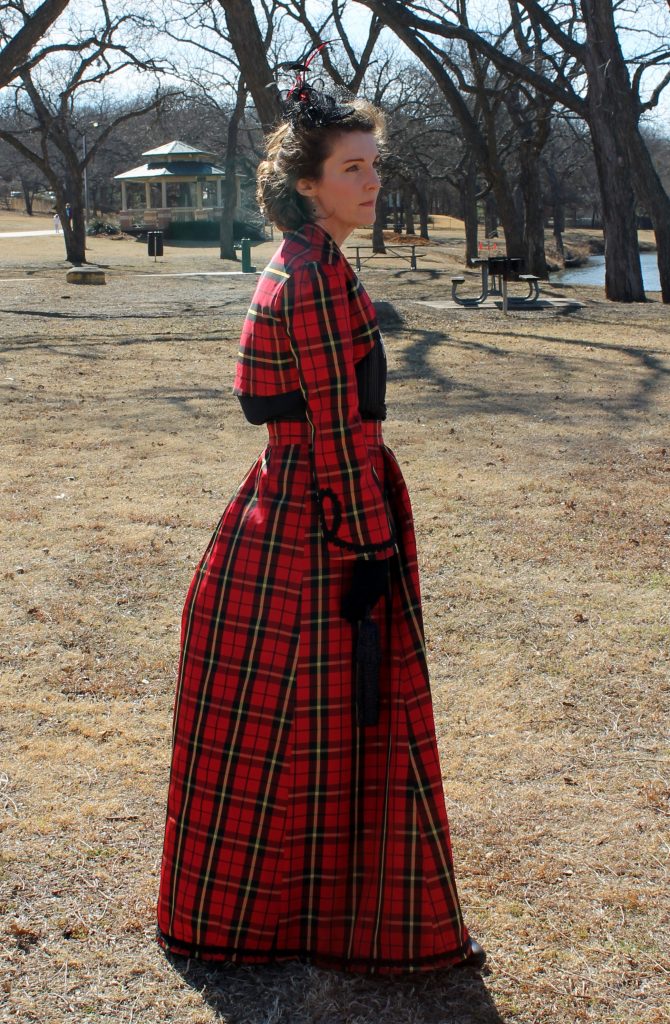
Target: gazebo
178, 183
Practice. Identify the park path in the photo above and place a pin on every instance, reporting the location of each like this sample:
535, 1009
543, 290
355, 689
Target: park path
25, 234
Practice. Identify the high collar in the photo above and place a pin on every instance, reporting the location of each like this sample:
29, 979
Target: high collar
314, 237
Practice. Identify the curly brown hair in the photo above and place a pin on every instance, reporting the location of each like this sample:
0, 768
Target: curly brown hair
297, 151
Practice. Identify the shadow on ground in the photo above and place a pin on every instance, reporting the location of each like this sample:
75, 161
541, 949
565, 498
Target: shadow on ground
301, 994
648, 376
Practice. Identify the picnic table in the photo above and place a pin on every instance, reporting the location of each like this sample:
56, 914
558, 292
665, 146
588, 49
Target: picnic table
391, 250
496, 272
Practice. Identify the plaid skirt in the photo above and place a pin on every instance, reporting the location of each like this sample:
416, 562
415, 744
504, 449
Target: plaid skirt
292, 832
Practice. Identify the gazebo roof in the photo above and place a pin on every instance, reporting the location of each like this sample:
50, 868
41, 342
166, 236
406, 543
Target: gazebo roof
175, 169
177, 148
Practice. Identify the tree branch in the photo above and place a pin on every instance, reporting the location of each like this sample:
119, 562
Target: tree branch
400, 16
656, 94
17, 49
25, 151
541, 17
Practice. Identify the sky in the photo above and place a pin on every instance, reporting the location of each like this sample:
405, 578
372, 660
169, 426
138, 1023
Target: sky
644, 17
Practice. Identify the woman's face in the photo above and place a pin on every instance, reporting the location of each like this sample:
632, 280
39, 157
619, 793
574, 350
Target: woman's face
346, 193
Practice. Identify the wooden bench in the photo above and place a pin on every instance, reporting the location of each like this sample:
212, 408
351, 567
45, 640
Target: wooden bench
392, 252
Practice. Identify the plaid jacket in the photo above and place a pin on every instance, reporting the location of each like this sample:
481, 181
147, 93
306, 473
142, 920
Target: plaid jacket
309, 323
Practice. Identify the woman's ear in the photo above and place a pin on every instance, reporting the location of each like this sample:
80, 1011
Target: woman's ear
305, 187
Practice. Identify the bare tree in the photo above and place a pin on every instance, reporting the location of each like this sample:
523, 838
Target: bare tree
476, 115
348, 73
613, 110
568, 167
215, 75
421, 141
17, 171
46, 121
20, 32
610, 103
251, 46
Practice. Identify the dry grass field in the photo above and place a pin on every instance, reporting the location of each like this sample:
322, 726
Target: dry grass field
537, 452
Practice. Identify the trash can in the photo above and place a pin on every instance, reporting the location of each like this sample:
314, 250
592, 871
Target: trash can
155, 243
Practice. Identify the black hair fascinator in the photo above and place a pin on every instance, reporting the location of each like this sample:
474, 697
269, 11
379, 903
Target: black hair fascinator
306, 105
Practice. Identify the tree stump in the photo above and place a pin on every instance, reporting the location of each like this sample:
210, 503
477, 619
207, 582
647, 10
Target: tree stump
86, 275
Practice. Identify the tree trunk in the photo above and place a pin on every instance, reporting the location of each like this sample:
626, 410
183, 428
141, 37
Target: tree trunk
652, 193
226, 231
557, 209
533, 201
611, 122
422, 203
623, 273
468, 197
74, 236
74, 227
409, 213
397, 211
509, 216
490, 216
27, 197
227, 249
251, 52
380, 220
559, 227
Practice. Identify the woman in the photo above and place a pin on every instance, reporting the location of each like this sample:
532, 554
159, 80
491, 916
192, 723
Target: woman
306, 817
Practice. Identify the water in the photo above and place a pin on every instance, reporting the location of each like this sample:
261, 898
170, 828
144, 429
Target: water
594, 273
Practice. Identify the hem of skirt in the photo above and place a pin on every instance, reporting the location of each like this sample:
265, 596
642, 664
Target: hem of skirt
232, 955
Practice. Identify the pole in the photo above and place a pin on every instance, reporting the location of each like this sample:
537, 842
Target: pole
93, 124
85, 185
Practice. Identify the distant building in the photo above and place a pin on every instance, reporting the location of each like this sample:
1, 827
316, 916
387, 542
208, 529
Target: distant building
178, 183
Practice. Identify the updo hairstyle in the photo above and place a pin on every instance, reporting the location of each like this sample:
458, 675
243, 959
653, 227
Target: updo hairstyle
297, 151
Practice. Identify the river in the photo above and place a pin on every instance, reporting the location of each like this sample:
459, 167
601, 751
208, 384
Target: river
594, 273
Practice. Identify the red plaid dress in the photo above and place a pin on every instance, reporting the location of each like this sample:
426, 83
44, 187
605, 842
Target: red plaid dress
293, 833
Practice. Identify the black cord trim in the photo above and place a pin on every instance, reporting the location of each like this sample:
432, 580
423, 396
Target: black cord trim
330, 532
363, 548
336, 511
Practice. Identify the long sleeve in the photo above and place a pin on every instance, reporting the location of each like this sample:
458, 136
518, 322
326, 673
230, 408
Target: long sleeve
353, 513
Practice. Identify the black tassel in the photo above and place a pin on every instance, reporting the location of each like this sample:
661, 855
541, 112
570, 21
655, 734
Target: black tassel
368, 660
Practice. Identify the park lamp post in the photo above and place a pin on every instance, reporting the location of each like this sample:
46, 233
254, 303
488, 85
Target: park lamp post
91, 124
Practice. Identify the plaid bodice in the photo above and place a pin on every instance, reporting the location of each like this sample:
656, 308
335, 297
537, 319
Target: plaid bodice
284, 294
309, 324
